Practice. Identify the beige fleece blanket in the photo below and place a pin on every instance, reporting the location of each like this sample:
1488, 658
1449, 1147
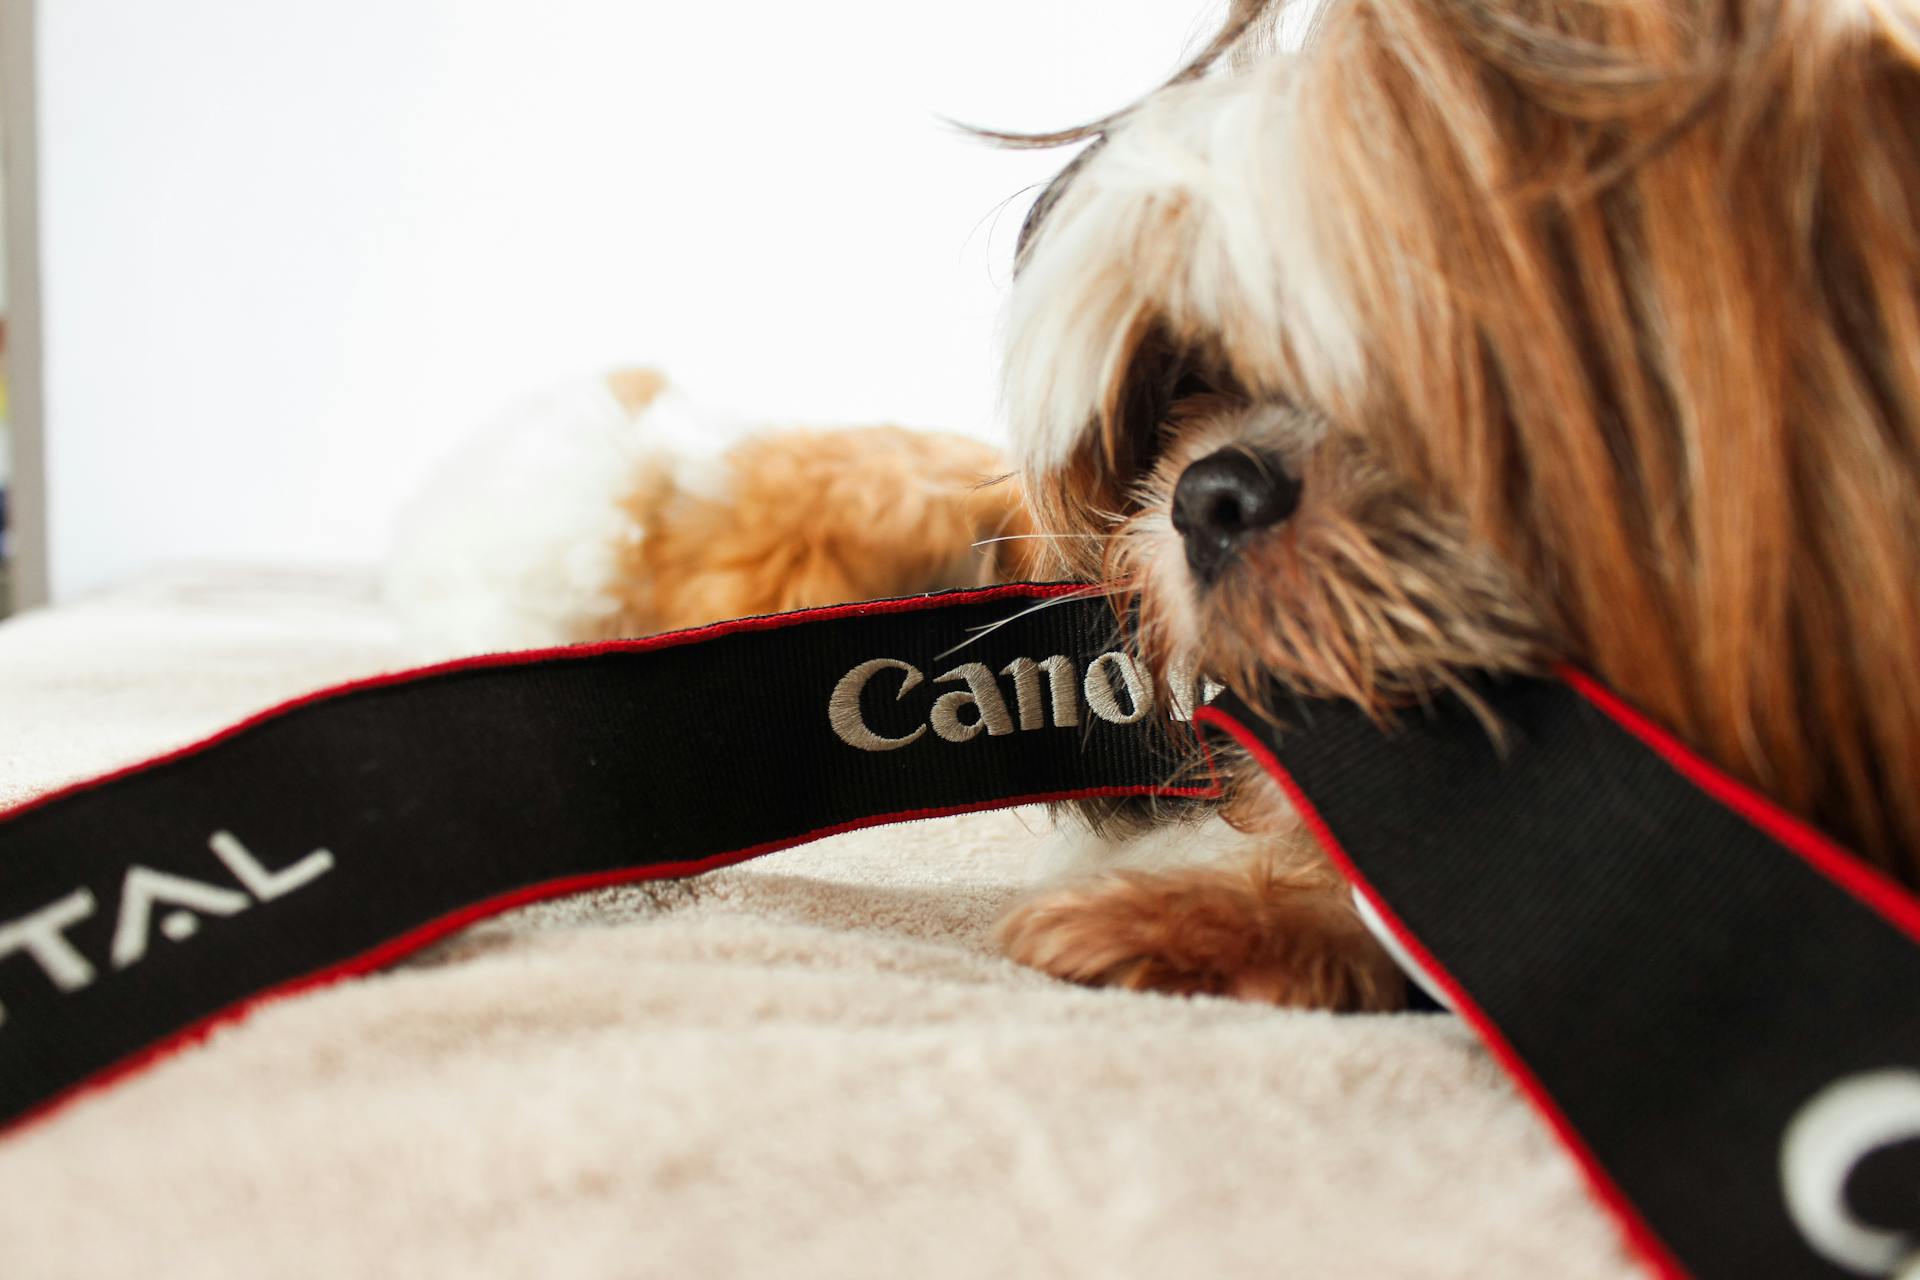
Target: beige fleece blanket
814, 1065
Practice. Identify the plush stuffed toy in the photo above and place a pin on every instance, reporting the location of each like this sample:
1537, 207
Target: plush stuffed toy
617, 507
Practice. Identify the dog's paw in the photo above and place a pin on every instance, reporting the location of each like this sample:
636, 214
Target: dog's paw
1240, 931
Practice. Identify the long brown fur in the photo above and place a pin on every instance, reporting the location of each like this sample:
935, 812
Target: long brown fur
1255, 930
1637, 293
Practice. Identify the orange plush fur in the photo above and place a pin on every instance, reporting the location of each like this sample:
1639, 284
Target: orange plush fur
812, 517
621, 507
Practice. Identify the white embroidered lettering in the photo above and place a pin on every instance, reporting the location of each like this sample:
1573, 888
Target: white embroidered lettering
1062, 686
1190, 691
143, 887
1115, 687
1833, 1132
983, 693
1100, 692
261, 883
42, 936
843, 708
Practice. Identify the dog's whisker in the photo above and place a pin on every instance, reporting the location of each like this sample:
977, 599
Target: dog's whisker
1037, 537
987, 629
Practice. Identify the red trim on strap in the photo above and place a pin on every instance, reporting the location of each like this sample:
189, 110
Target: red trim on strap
407, 943
562, 653
1875, 890
1639, 1233
395, 948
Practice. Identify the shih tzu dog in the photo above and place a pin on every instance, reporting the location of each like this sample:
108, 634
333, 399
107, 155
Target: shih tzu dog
619, 507
1474, 336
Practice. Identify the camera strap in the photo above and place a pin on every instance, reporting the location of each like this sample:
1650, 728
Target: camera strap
1716, 1009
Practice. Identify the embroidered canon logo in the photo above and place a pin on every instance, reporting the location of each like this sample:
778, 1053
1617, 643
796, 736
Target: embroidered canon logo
1050, 691
1830, 1136
42, 934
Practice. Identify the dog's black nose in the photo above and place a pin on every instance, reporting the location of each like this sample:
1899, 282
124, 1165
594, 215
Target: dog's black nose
1225, 496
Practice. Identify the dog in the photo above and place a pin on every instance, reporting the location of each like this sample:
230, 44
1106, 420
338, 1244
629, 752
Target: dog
619, 507
1478, 336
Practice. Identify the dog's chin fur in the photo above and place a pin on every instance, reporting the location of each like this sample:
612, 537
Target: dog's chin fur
1591, 333
620, 508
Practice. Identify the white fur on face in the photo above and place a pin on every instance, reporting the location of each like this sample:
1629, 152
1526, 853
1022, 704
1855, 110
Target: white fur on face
1199, 214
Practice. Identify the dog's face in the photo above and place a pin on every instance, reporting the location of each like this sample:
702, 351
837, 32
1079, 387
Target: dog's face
1481, 334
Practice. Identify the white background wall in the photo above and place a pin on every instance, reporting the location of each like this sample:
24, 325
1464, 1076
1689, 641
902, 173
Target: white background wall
293, 249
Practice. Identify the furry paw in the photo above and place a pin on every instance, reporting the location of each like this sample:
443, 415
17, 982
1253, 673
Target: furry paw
1244, 931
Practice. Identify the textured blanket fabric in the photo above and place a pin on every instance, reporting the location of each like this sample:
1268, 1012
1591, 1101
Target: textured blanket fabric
814, 1065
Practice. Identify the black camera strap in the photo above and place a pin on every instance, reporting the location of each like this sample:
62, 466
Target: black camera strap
1716, 1009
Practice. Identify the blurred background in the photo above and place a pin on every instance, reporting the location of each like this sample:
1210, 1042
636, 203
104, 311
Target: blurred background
268, 262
